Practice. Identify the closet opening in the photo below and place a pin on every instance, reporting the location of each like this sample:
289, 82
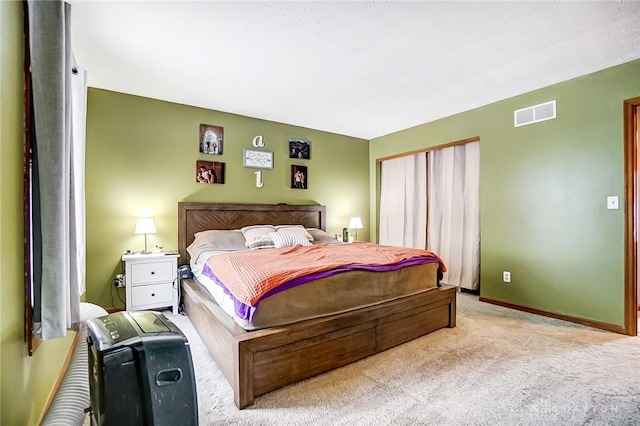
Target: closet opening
430, 199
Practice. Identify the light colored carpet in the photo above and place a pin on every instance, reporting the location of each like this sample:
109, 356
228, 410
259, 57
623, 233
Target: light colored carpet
497, 367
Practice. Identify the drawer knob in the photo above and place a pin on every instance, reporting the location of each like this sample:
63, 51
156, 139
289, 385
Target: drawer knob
153, 294
152, 272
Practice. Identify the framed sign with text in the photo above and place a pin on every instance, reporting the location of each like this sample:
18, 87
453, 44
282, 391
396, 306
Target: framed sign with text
257, 159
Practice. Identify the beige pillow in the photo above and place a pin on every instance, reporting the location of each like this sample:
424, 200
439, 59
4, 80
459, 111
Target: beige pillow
215, 240
321, 237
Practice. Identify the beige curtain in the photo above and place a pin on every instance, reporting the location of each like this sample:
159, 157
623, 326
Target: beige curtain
54, 238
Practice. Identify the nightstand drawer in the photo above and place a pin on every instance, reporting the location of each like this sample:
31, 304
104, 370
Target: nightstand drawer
152, 272
154, 294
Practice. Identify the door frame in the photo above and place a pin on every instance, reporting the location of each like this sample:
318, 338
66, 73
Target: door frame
631, 111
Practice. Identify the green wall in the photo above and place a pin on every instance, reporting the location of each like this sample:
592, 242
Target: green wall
543, 190
141, 158
26, 381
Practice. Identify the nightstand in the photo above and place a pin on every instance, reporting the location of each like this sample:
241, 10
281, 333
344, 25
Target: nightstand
151, 281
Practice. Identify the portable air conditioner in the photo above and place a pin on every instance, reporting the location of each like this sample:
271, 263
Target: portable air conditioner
140, 371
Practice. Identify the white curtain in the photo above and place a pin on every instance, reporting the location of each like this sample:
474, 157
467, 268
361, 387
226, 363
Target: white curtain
78, 141
454, 212
403, 201
54, 204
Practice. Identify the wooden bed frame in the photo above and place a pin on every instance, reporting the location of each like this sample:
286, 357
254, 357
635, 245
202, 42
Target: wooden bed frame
260, 361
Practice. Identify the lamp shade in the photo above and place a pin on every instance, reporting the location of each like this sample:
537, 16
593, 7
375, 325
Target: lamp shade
355, 222
145, 225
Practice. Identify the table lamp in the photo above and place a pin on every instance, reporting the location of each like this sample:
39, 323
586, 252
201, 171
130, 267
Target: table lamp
355, 223
145, 225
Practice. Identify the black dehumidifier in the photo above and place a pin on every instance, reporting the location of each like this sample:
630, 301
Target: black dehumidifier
140, 371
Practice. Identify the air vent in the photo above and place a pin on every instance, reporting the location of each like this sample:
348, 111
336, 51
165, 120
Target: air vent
534, 114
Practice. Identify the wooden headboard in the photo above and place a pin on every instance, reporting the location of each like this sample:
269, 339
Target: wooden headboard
197, 217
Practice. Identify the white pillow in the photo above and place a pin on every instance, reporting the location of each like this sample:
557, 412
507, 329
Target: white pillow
257, 236
285, 238
295, 228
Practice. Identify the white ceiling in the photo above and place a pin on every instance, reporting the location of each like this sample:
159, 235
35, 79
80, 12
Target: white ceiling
362, 69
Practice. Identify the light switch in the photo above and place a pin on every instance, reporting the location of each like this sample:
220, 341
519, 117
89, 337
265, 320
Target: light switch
612, 202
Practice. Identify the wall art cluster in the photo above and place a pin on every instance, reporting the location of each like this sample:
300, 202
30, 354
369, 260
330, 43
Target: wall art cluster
211, 142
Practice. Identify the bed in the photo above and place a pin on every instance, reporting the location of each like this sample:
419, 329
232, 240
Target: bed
259, 361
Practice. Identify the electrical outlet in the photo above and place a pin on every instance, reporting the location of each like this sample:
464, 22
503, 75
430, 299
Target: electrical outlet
119, 280
506, 276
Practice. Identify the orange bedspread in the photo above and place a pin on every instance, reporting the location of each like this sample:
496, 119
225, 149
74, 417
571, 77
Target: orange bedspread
249, 275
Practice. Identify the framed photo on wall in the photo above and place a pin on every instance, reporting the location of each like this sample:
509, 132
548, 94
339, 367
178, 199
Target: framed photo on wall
209, 171
211, 139
299, 148
299, 177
